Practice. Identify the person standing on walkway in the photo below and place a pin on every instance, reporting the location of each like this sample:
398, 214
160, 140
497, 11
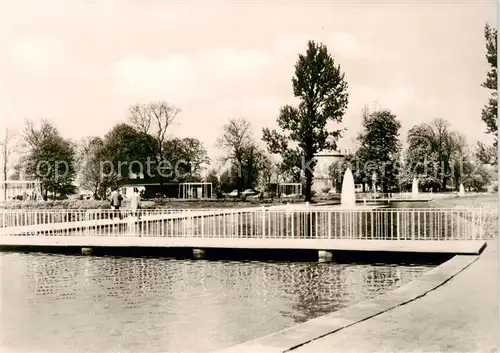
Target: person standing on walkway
116, 202
135, 200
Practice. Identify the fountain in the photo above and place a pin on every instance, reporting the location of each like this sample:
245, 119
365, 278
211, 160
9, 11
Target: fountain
414, 188
461, 190
348, 195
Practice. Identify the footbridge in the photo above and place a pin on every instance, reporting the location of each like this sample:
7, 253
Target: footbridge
327, 228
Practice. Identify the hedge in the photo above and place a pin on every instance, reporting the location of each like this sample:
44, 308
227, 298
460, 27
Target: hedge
147, 204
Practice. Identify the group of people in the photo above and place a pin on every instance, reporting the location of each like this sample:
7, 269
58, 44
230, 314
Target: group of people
116, 199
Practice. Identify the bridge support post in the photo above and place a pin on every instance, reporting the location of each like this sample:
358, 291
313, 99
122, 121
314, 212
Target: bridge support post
87, 251
325, 256
130, 225
198, 253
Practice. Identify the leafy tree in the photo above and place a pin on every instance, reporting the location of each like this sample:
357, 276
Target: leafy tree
247, 172
290, 167
50, 159
91, 155
490, 111
474, 174
228, 181
236, 141
125, 151
421, 158
267, 170
152, 120
479, 180
463, 161
380, 147
336, 172
253, 159
212, 177
187, 156
431, 152
17, 171
486, 154
322, 90
407, 174
479, 167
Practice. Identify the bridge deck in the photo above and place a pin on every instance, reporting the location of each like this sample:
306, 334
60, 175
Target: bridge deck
365, 228
413, 246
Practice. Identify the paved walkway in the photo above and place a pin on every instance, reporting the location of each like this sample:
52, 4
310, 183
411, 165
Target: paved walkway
460, 316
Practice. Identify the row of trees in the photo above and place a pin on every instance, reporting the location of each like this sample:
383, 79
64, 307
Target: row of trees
97, 164
435, 154
139, 146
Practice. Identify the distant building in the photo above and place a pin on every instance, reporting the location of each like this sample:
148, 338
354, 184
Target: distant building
322, 179
20, 190
283, 189
150, 188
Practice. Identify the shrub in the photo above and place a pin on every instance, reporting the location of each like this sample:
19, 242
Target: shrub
146, 204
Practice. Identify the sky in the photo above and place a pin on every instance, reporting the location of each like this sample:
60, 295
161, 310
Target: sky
82, 63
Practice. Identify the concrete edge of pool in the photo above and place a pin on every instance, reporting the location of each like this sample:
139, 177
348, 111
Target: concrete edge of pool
298, 335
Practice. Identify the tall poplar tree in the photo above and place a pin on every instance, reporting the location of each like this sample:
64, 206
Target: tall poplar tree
321, 88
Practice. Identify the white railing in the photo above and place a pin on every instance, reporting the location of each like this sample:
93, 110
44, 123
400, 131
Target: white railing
276, 223
393, 196
488, 219
17, 218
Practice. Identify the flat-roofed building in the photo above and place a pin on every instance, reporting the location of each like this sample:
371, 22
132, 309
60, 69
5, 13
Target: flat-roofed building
20, 190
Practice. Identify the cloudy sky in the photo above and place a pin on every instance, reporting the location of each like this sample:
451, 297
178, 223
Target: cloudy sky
83, 63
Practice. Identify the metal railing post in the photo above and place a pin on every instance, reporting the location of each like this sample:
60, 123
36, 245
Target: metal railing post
371, 224
263, 210
202, 225
397, 225
329, 225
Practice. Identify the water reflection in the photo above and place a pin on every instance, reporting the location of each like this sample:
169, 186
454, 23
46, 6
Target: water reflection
107, 304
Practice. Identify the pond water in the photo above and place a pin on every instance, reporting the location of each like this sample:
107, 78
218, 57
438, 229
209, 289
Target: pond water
64, 303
